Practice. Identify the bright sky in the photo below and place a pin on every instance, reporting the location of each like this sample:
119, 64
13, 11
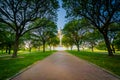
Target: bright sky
61, 16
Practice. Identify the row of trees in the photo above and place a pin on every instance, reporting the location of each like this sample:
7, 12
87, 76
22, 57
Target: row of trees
6, 38
100, 14
83, 35
44, 35
18, 16
74, 31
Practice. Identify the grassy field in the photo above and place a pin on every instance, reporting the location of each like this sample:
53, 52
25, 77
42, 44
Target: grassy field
10, 66
101, 59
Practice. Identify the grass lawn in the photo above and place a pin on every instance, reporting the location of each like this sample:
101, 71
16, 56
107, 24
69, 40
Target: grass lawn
103, 60
10, 66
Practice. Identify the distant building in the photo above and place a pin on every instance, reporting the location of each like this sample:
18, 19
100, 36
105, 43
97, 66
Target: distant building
60, 36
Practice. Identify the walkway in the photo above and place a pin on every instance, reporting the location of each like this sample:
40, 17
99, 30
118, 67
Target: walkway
64, 66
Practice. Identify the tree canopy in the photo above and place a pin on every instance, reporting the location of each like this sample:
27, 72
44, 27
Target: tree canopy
75, 30
45, 32
100, 13
19, 14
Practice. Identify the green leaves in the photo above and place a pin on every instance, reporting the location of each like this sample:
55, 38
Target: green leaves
74, 32
20, 14
45, 33
100, 14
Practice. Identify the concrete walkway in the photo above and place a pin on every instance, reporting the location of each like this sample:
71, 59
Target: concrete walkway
64, 66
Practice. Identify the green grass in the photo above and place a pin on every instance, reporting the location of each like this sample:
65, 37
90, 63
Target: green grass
10, 66
103, 60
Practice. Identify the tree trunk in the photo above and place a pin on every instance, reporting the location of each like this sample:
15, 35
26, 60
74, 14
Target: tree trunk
71, 48
43, 46
107, 42
92, 48
30, 49
50, 48
6, 50
78, 47
113, 49
16, 44
9, 49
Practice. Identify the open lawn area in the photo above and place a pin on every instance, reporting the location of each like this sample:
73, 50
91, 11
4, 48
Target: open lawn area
10, 66
101, 59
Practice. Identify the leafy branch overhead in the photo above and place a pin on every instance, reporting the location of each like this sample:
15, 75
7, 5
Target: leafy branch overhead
20, 14
100, 13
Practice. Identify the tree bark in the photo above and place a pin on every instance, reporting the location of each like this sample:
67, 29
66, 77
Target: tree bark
16, 44
92, 47
9, 49
107, 42
43, 46
113, 49
78, 47
6, 50
50, 48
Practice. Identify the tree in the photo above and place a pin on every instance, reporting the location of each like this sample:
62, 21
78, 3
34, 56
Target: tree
2, 37
19, 14
75, 31
45, 32
9, 41
36, 44
113, 32
92, 37
117, 41
53, 41
101, 45
6, 38
67, 41
100, 13
27, 41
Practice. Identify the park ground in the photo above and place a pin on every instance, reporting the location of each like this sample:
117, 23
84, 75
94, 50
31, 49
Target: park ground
12, 66
64, 66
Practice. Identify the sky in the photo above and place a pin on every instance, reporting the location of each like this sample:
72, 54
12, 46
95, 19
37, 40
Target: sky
61, 16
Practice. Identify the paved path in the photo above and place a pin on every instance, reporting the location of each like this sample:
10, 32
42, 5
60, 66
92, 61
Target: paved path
64, 66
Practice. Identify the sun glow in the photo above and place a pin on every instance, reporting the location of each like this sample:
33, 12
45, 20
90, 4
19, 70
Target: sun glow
60, 48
